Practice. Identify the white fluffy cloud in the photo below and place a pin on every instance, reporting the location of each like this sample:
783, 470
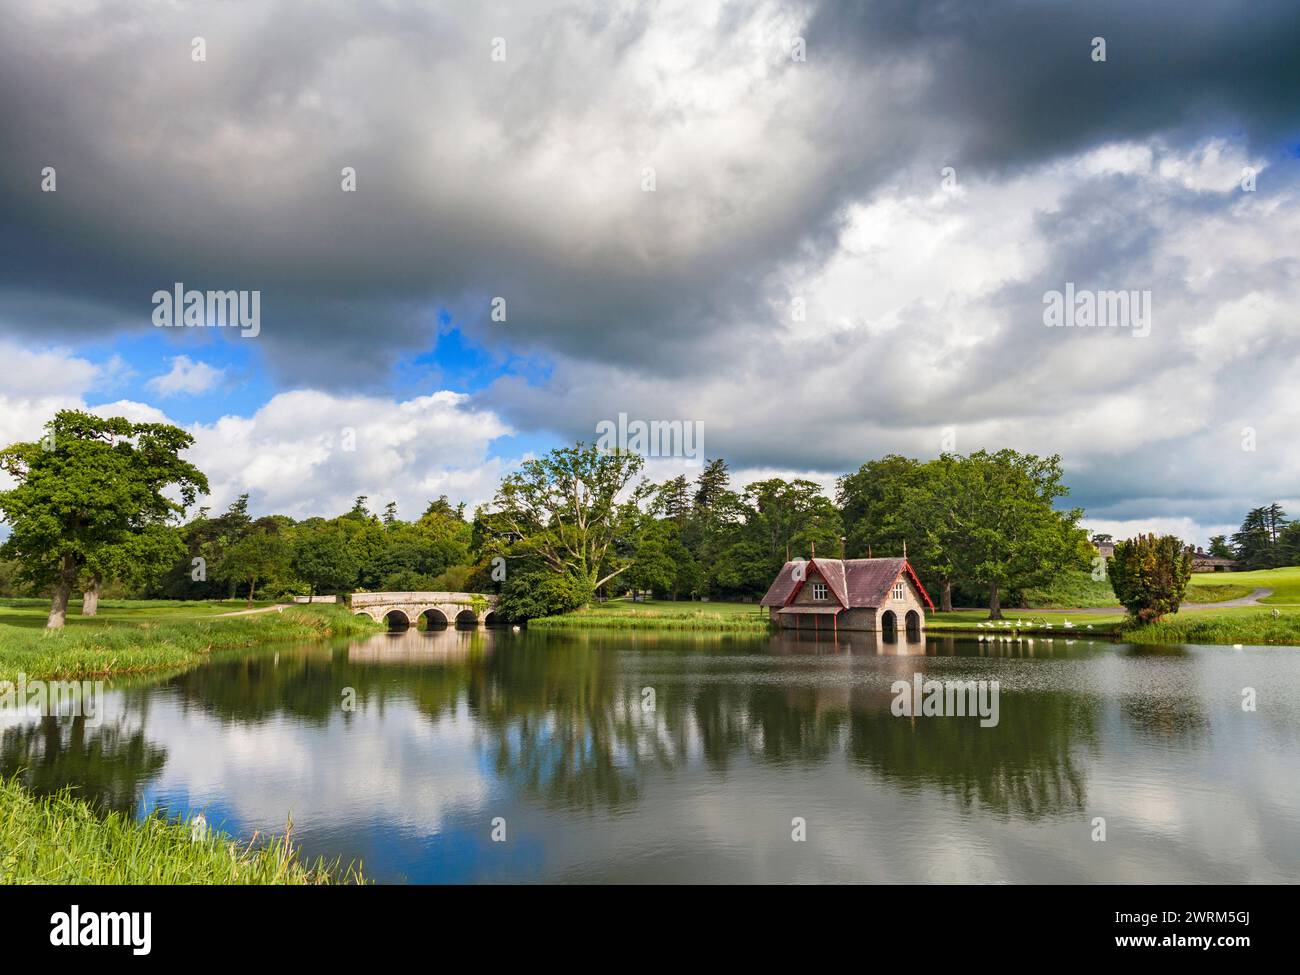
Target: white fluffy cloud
187, 377
303, 453
311, 453
34, 383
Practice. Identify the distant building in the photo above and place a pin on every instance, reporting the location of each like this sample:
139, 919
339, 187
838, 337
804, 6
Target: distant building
1203, 561
879, 595
1104, 549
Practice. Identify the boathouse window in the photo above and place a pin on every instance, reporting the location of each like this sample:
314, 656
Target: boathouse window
819, 590
898, 591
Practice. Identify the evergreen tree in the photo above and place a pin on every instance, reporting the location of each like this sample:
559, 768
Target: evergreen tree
1253, 541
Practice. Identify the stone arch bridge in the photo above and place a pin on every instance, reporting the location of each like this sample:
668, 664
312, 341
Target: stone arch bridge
404, 609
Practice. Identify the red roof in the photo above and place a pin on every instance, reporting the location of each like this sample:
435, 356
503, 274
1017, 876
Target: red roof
855, 582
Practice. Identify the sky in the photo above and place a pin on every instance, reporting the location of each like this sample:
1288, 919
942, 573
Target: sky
816, 232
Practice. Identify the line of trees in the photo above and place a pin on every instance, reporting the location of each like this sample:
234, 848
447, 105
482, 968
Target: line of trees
985, 525
99, 503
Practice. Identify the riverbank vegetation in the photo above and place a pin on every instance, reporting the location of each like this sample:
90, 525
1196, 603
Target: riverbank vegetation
1245, 625
127, 640
60, 839
1044, 622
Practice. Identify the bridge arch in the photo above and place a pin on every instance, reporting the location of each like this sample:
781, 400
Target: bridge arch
397, 619
434, 618
467, 617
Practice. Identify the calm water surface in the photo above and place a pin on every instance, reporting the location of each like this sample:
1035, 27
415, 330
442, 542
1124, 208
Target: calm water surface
452, 729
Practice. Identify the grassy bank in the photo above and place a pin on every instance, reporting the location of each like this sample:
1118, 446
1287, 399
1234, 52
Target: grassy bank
1234, 624
1247, 624
1071, 590
1059, 622
1244, 625
105, 646
60, 840
622, 614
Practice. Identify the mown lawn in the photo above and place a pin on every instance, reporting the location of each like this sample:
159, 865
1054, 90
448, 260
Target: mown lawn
60, 840
1284, 582
32, 613
1234, 624
1078, 590
1028, 621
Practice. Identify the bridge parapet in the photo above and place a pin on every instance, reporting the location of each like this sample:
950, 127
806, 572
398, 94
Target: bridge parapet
441, 607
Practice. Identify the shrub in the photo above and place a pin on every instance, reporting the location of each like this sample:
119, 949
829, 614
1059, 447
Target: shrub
533, 594
1149, 575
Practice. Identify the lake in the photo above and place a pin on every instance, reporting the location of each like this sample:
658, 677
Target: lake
643, 757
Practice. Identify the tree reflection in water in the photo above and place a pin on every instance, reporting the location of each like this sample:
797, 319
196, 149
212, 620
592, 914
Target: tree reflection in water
563, 717
108, 765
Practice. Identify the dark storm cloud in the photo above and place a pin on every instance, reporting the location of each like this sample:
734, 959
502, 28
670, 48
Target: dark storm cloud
523, 179
226, 174
1014, 82
473, 175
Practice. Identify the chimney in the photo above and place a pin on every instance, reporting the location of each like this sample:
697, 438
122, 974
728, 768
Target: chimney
814, 549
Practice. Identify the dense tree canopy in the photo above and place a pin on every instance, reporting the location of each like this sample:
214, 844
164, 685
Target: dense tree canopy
576, 524
988, 520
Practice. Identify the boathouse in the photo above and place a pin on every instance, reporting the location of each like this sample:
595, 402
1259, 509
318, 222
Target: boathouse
876, 595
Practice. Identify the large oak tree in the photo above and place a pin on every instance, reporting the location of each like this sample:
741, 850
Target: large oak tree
85, 489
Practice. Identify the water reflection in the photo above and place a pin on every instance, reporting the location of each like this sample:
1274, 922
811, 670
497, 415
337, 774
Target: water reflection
664, 756
107, 765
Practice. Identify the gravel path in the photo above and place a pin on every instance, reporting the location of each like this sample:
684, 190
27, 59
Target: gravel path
278, 607
1251, 600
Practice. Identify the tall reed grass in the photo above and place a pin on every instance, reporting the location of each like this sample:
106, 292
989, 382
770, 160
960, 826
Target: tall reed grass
59, 839
1260, 628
